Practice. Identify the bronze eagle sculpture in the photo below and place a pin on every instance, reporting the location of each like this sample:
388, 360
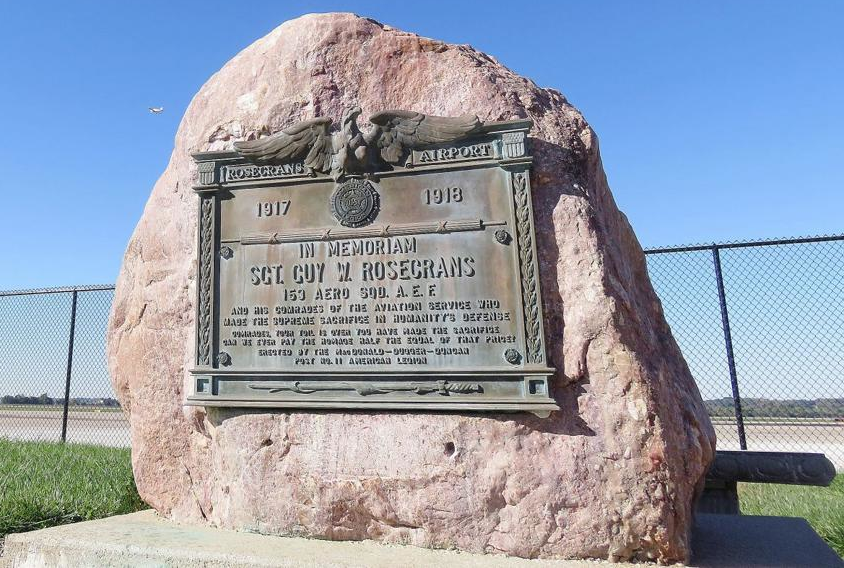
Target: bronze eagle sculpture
352, 152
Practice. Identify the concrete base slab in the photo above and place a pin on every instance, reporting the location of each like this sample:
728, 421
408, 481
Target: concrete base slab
146, 540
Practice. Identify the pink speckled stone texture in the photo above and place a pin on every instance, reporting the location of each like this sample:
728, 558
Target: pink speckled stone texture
612, 475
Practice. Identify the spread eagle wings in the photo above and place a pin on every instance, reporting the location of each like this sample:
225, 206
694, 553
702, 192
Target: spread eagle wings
399, 130
309, 138
393, 133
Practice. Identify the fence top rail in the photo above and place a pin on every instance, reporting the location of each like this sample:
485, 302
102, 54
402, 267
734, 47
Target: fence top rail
58, 290
746, 244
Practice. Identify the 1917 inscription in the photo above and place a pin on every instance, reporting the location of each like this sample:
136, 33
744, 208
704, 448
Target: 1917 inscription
408, 287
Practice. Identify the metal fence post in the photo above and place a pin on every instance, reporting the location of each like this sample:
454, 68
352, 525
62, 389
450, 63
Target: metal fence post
728, 342
69, 365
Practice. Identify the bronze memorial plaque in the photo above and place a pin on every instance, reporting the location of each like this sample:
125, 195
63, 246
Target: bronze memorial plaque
388, 269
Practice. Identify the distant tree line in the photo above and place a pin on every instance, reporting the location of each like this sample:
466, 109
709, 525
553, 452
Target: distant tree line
45, 400
768, 408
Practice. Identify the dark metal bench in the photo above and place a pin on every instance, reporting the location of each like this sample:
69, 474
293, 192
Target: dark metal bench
720, 494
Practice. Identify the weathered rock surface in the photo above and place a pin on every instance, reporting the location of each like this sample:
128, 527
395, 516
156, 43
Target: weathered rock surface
611, 475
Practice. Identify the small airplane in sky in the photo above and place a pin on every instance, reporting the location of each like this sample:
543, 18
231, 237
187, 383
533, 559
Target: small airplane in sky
156, 110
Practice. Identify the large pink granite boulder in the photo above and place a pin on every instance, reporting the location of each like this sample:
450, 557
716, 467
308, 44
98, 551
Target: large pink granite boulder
611, 475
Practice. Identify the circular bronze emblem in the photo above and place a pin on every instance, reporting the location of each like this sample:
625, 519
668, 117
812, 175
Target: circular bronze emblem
355, 203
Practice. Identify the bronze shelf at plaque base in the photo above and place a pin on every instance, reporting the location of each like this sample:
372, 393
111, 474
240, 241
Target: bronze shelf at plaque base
468, 391
541, 408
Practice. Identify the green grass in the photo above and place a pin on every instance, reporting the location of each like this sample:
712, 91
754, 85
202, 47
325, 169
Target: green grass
45, 484
823, 507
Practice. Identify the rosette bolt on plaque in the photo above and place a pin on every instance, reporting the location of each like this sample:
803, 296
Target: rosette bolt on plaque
224, 359
512, 356
226, 252
502, 237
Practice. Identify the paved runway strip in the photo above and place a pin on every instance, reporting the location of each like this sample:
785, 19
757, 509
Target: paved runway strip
102, 427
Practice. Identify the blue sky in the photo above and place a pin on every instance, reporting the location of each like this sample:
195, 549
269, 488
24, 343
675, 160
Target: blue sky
717, 120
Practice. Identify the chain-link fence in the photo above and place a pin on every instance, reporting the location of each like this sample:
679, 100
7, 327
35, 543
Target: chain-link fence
54, 382
759, 323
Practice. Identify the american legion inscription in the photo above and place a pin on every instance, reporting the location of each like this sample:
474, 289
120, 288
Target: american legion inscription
389, 269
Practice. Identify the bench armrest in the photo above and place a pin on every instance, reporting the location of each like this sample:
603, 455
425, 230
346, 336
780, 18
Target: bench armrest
791, 468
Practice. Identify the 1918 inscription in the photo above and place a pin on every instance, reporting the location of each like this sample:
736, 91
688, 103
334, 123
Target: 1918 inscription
415, 288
